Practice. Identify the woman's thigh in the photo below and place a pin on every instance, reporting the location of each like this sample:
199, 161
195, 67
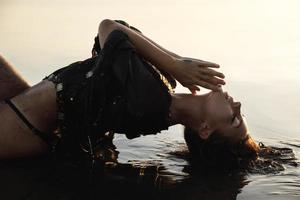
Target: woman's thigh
17, 140
38, 105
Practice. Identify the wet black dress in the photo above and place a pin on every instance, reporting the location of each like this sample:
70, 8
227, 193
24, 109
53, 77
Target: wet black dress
116, 91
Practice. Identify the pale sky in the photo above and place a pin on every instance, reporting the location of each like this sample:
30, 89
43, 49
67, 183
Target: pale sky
254, 40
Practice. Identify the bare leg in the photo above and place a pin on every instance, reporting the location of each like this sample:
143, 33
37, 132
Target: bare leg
11, 83
38, 105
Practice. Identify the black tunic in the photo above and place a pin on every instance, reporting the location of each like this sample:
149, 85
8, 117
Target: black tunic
115, 91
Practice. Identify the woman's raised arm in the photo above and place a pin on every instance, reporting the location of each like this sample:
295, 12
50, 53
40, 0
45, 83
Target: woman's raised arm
191, 73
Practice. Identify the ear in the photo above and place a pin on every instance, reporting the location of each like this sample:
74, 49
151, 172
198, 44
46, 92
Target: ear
204, 131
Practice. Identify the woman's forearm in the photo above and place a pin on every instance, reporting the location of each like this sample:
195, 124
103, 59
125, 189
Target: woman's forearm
152, 52
189, 72
163, 49
141, 34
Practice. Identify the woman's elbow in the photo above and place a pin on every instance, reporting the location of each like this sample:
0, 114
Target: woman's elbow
106, 23
106, 26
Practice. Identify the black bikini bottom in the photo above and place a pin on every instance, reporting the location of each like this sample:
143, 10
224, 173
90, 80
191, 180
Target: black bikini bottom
49, 138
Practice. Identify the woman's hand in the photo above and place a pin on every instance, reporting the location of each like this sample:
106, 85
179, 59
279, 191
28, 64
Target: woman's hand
192, 73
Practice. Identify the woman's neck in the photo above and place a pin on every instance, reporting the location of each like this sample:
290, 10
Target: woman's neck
186, 107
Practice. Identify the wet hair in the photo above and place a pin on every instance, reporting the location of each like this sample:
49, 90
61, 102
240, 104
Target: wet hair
218, 151
272, 159
96, 47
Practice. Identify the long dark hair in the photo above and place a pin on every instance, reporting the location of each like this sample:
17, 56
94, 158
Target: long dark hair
218, 151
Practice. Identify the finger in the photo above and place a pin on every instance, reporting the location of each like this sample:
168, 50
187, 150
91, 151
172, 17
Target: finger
209, 64
211, 72
211, 79
209, 86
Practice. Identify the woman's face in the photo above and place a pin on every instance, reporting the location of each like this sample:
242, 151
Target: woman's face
224, 115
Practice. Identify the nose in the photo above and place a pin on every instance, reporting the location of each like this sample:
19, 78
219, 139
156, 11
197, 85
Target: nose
237, 104
237, 107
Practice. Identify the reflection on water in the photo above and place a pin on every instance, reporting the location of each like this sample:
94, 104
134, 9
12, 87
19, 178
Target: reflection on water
162, 173
269, 180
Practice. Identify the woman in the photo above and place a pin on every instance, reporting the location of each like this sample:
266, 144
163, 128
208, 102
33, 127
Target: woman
119, 90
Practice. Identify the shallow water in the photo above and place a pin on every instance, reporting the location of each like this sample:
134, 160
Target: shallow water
256, 43
278, 185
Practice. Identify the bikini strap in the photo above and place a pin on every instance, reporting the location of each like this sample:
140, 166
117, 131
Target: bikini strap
49, 138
